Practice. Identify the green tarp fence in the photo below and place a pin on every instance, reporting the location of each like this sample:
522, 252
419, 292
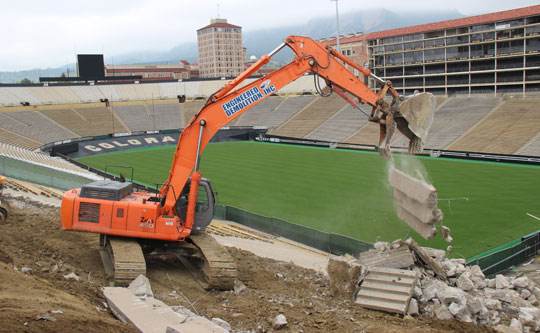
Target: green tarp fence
509, 255
328, 242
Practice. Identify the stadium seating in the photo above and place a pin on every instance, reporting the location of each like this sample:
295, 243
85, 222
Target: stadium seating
454, 116
505, 130
366, 135
166, 115
287, 109
478, 123
35, 126
531, 148
89, 93
189, 109
342, 125
311, 117
38, 158
18, 140
260, 114
135, 116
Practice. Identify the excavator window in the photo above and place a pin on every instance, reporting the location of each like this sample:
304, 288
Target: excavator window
202, 200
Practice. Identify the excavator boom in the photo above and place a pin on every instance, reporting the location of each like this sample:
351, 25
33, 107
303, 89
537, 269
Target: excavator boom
233, 100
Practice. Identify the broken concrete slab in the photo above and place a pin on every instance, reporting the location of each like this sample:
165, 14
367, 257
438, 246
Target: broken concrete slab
141, 287
413, 307
426, 260
279, 322
501, 281
415, 201
394, 258
195, 326
443, 313
476, 274
387, 289
381, 246
152, 315
464, 283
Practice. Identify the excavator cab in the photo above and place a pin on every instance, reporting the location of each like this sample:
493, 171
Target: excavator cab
204, 209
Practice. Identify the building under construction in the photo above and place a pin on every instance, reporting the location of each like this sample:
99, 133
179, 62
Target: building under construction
493, 53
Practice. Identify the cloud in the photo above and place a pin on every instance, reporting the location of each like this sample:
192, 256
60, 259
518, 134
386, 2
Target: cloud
50, 33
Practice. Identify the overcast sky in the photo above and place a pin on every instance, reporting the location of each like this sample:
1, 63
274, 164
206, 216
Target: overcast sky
40, 34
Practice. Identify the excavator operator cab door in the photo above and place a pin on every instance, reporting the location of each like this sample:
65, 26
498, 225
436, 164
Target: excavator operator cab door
204, 209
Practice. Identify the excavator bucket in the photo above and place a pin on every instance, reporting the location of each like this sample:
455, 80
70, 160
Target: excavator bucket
414, 118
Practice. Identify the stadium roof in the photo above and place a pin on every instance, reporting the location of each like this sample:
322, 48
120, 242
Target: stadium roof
466, 21
472, 20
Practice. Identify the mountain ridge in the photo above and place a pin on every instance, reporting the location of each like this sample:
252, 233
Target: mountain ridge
261, 41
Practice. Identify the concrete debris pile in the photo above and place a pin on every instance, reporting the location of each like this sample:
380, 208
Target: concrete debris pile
445, 288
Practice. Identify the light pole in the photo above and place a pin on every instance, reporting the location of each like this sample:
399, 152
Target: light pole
337, 23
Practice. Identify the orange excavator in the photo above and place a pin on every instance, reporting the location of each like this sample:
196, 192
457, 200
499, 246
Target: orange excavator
136, 224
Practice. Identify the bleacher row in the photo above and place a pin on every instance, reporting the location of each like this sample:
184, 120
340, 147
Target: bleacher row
77, 94
26, 155
480, 124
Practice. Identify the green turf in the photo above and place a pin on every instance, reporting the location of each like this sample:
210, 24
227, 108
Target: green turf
346, 192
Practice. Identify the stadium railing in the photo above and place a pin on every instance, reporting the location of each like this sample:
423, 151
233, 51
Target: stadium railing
507, 255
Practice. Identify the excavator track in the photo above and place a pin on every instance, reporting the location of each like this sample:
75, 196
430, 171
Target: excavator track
122, 258
218, 267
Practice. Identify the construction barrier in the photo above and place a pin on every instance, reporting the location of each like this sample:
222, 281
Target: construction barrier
42, 175
328, 242
508, 255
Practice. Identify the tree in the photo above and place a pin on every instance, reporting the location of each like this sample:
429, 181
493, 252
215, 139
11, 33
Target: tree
25, 81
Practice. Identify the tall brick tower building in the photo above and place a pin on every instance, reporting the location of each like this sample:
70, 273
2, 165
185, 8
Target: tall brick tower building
220, 49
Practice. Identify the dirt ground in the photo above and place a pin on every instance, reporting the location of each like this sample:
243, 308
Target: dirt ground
32, 238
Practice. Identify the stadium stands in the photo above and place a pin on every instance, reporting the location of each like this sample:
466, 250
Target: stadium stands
135, 116
366, 135
261, 113
342, 125
17, 140
505, 130
287, 109
531, 148
452, 119
102, 120
39, 158
89, 93
189, 109
477, 123
311, 117
166, 115
35, 126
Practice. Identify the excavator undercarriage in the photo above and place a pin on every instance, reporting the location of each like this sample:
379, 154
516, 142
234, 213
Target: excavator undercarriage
125, 258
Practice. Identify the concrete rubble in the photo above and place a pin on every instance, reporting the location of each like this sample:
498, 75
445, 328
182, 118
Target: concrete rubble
449, 289
279, 322
416, 203
149, 314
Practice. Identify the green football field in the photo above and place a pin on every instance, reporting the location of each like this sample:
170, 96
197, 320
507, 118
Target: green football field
346, 192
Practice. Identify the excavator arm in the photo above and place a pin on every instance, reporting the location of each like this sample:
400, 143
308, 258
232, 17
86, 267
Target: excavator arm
234, 99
